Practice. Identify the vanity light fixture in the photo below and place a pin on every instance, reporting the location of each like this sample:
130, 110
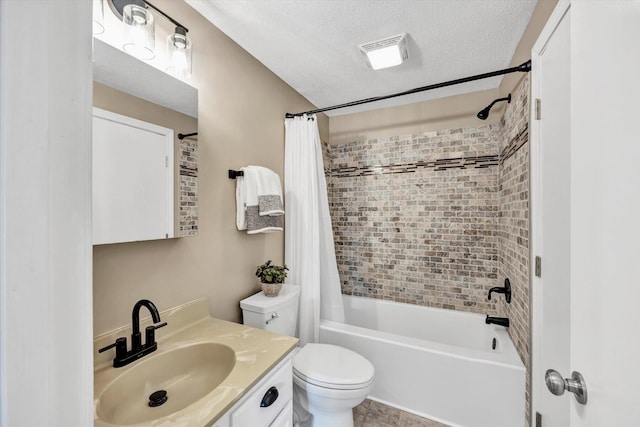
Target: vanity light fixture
386, 53
179, 48
141, 38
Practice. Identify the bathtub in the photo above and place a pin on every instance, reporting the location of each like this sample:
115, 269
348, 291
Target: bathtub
435, 363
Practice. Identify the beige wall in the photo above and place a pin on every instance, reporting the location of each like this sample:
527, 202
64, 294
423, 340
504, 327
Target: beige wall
241, 111
445, 113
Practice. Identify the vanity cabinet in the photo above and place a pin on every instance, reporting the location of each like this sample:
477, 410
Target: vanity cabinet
279, 412
133, 179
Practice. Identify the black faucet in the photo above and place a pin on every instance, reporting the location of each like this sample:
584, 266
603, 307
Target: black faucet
506, 290
502, 321
138, 350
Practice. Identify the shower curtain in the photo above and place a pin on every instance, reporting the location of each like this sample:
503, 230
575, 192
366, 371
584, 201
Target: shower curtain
309, 251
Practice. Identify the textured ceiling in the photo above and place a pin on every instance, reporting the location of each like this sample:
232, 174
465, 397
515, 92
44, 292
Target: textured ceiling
312, 44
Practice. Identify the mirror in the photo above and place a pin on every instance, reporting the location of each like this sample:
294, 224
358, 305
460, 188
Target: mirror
130, 87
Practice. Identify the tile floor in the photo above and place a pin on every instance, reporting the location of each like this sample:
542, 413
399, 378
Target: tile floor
373, 414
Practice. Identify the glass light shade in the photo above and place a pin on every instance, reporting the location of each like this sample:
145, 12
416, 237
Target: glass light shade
141, 37
179, 48
98, 17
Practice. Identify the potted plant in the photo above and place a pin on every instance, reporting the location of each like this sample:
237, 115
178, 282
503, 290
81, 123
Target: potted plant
271, 277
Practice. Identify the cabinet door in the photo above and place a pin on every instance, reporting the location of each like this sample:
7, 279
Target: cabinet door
132, 179
285, 417
252, 413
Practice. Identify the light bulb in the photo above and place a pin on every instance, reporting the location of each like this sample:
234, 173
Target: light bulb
179, 48
140, 26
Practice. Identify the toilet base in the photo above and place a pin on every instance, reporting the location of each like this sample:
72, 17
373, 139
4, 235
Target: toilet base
310, 416
329, 408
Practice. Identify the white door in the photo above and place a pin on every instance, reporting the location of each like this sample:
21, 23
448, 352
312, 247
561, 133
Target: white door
550, 204
585, 211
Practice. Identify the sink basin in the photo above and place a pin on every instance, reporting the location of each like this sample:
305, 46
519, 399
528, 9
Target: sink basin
186, 373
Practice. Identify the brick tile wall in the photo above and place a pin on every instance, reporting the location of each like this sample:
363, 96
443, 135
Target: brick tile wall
416, 218
513, 223
188, 188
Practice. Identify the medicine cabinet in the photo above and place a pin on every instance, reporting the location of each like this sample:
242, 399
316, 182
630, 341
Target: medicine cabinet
132, 179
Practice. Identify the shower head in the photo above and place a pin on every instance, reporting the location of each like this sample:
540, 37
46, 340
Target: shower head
484, 113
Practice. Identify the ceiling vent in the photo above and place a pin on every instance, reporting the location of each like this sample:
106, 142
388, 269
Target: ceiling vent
385, 53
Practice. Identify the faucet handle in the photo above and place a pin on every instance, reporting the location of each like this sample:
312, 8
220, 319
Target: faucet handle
150, 333
120, 344
157, 326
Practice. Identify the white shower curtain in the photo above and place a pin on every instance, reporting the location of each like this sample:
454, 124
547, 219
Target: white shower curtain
309, 251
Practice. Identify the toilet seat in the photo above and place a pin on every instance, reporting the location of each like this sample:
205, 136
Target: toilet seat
332, 367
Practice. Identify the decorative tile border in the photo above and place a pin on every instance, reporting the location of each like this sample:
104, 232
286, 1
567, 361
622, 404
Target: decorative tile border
476, 162
515, 144
185, 171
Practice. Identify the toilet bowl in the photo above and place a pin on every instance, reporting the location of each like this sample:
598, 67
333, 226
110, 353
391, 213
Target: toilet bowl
329, 381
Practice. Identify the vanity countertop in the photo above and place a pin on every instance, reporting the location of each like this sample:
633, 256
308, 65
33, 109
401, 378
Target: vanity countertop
256, 353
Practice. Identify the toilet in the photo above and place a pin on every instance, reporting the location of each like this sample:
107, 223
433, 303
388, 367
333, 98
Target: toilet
329, 381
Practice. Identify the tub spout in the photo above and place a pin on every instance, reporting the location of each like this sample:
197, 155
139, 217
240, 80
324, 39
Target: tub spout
502, 321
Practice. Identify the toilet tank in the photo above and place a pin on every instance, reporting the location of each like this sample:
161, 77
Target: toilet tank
277, 314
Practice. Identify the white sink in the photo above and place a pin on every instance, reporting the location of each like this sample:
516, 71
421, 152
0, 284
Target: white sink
187, 374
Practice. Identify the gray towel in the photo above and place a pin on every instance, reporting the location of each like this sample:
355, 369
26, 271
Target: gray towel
261, 224
270, 205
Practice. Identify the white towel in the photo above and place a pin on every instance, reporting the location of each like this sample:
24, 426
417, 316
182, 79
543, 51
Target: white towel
269, 189
247, 211
241, 200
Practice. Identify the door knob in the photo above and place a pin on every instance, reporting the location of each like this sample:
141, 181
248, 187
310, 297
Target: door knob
557, 384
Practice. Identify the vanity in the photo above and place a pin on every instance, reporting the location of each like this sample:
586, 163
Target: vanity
214, 372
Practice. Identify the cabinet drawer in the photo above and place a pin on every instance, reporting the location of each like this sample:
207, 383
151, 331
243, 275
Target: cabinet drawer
279, 383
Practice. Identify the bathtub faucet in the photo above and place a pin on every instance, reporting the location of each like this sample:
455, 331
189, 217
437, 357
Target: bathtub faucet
502, 321
506, 290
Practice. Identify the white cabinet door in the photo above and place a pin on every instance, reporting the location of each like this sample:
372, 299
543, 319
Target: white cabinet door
278, 409
132, 179
279, 386
285, 417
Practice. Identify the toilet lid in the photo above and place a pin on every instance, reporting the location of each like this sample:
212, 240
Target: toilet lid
330, 366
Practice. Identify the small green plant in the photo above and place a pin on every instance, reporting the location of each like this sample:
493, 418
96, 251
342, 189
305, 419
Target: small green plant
269, 273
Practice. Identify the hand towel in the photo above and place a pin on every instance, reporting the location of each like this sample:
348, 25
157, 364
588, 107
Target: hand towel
262, 224
247, 210
241, 201
269, 189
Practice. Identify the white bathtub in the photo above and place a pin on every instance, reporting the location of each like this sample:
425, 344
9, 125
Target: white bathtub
435, 363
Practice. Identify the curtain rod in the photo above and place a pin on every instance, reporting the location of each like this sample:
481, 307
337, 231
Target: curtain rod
525, 67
